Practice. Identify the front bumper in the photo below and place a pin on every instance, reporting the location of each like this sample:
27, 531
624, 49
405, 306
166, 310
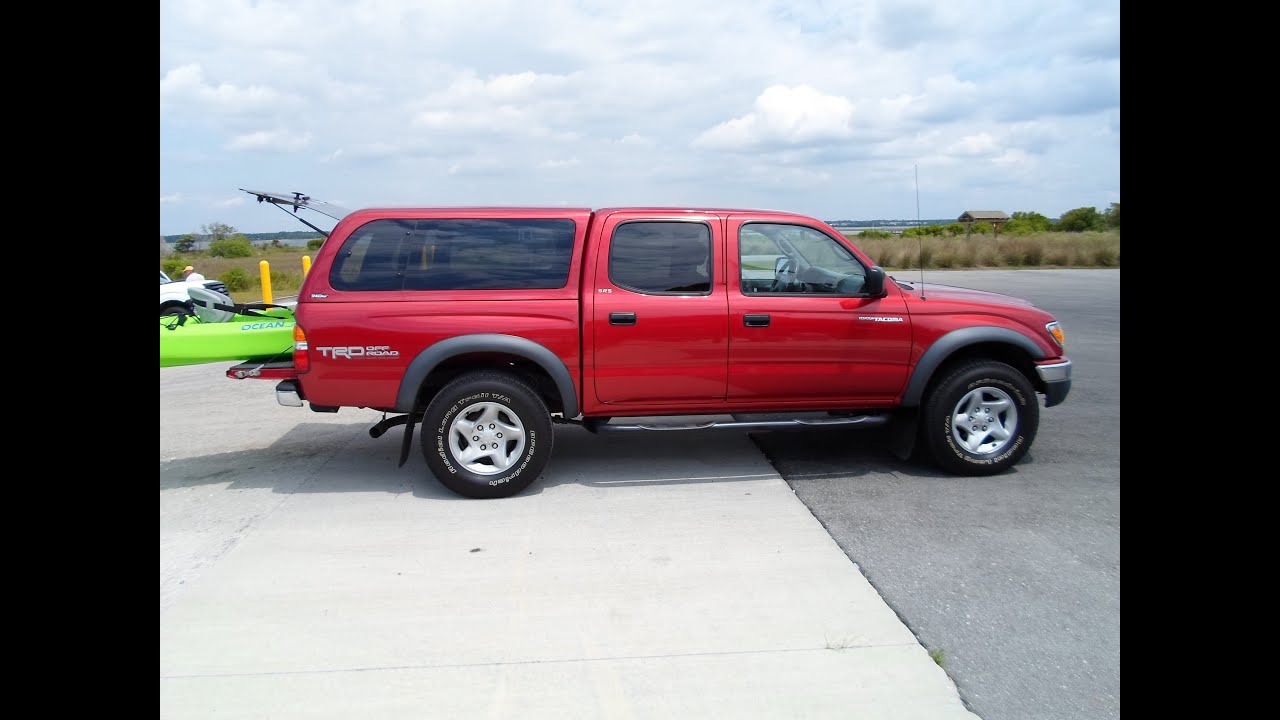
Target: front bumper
1057, 381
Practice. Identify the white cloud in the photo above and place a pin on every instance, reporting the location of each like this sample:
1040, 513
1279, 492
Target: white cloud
170, 199
1012, 157
784, 115
230, 202
270, 140
559, 164
186, 87
635, 139
979, 144
820, 106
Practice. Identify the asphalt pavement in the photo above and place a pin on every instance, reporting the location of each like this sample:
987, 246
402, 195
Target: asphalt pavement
1013, 579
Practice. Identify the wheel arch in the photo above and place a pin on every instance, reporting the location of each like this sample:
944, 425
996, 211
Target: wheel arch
973, 343
441, 362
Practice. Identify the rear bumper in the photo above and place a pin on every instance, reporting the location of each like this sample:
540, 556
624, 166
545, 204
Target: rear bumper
1057, 381
287, 394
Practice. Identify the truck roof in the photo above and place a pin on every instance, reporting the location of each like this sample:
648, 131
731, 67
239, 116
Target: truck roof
296, 201
712, 210
548, 209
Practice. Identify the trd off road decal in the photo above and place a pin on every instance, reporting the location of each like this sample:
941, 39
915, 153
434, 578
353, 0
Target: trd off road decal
355, 352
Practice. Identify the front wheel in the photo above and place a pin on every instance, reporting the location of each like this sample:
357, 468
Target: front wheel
486, 435
980, 419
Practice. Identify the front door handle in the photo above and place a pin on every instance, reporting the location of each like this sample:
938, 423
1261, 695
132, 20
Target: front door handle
755, 320
622, 318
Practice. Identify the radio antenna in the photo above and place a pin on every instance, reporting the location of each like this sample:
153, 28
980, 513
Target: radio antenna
919, 235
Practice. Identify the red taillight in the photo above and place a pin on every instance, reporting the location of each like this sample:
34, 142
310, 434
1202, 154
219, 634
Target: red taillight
301, 358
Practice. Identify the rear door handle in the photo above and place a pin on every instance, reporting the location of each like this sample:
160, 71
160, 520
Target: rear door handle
755, 320
622, 318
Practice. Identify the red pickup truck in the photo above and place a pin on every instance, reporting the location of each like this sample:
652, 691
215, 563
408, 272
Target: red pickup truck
486, 325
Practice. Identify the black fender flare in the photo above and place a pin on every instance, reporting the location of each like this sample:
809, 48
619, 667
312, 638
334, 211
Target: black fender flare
948, 344
432, 356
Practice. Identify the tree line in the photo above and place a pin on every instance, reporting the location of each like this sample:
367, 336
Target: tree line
1083, 219
226, 241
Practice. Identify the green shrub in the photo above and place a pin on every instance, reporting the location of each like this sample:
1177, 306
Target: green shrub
173, 267
873, 234
315, 244
925, 231
232, 247
236, 280
1026, 223
281, 279
1081, 219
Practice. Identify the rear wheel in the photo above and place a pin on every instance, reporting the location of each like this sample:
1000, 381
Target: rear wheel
486, 435
980, 419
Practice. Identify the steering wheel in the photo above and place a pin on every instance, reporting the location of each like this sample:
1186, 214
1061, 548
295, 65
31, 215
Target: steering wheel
784, 278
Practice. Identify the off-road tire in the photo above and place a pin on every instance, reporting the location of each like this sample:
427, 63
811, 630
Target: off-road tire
980, 418
487, 434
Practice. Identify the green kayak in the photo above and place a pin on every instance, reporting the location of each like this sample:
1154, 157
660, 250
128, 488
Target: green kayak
264, 335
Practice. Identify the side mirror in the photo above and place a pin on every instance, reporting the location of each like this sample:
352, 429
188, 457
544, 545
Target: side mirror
874, 285
780, 264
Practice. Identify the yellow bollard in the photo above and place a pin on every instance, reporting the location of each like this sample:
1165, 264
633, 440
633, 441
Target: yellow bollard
265, 268
306, 265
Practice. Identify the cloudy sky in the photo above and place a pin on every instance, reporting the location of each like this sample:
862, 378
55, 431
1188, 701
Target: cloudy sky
824, 107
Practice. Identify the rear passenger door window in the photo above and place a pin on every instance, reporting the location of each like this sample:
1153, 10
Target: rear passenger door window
662, 258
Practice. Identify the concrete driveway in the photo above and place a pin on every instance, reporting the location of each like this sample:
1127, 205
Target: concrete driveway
304, 575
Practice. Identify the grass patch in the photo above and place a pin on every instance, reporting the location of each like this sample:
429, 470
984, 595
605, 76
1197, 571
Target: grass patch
937, 657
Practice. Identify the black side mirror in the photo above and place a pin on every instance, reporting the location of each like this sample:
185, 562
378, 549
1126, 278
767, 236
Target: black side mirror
874, 286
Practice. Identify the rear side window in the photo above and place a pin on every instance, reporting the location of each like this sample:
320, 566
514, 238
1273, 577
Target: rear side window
661, 257
461, 254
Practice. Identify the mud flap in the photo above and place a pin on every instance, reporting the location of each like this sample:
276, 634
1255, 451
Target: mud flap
903, 430
407, 441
